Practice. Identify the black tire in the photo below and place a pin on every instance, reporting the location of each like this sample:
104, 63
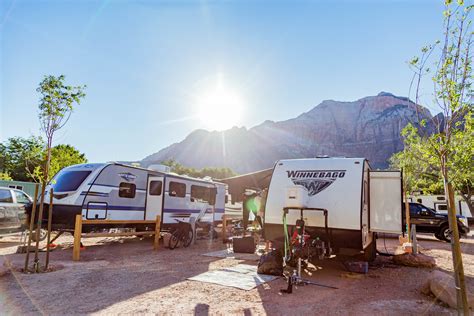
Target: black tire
444, 233
174, 241
42, 236
188, 238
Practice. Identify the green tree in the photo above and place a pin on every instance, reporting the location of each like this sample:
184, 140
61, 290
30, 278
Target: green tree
442, 146
61, 156
217, 173
20, 156
213, 172
55, 108
5, 176
22, 159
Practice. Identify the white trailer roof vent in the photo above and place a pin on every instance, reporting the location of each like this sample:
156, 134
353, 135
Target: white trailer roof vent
160, 168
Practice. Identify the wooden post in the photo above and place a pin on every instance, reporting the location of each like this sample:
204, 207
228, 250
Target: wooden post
461, 292
76, 252
30, 234
156, 243
50, 219
224, 228
407, 215
414, 241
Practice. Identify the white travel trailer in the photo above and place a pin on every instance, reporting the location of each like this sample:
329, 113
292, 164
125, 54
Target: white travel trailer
360, 202
121, 192
440, 205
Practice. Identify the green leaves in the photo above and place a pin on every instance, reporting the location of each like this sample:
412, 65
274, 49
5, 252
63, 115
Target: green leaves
19, 155
23, 159
56, 102
215, 173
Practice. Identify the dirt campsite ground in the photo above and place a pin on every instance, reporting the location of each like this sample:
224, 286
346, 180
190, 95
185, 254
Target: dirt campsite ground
124, 275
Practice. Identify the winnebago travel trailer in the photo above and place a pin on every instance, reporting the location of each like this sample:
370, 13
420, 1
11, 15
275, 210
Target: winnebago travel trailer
121, 192
359, 202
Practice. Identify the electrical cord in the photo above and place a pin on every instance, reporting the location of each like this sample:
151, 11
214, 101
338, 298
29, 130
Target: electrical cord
386, 253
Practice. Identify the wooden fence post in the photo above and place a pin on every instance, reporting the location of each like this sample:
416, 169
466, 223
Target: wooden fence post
50, 219
156, 243
76, 252
30, 231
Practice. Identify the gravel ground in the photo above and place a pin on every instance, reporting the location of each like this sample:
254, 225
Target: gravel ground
124, 275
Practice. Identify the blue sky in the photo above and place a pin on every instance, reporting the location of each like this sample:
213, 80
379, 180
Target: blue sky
145, 63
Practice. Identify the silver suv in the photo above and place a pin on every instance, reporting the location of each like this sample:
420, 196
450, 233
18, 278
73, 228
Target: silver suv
13, 204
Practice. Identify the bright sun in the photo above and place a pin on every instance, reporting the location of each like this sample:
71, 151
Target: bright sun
219, 108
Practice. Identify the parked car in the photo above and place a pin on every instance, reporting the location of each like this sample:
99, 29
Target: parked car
427, 220
13, 206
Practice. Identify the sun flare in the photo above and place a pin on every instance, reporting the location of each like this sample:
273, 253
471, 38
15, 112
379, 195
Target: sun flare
219, 108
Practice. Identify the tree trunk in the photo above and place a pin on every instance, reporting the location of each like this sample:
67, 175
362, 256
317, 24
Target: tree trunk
41, 205
461, 295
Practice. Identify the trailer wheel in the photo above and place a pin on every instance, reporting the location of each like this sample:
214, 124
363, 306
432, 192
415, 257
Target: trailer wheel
189, 238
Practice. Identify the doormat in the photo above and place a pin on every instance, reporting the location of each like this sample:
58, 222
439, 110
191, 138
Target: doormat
241, 276
229, 253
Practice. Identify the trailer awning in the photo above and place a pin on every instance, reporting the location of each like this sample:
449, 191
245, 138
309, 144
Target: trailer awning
256, 181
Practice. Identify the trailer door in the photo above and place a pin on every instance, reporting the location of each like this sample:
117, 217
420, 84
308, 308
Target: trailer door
385, 201
154, 197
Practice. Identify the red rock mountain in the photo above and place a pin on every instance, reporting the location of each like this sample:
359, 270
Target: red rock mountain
369, 127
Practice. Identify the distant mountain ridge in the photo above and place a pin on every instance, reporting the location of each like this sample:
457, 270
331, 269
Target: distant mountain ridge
369, 127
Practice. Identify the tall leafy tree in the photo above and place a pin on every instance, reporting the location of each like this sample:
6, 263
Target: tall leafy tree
20, 156
56, 104
213, 172
22, 159
444, 145
55, 108
61, 156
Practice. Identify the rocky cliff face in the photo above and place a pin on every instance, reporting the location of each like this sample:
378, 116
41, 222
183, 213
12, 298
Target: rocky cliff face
369, 127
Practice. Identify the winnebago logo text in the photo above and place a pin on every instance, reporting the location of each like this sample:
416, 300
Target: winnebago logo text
315, 180
127, 176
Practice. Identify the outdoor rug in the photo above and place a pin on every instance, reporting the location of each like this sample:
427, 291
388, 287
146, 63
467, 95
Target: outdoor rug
241, 276
229, 253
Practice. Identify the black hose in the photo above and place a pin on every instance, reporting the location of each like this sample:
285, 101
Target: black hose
387, 254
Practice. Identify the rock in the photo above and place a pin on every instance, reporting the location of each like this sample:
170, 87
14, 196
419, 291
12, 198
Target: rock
443, 288
414, 260
426, 288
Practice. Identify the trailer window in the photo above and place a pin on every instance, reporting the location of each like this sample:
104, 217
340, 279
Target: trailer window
203, 194
442, 207
69, 180
177, 189
155, 187
127, 190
